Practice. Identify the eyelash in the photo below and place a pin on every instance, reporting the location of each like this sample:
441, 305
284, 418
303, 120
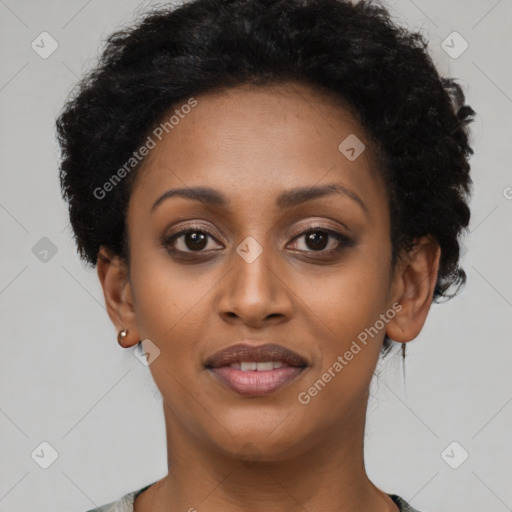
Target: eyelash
344, 241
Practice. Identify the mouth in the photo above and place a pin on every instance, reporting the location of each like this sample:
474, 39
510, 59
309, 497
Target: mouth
252, 370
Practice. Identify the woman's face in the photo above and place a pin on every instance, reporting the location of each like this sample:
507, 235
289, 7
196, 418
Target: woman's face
249, 271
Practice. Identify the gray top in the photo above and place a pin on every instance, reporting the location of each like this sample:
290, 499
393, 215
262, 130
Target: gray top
125, 503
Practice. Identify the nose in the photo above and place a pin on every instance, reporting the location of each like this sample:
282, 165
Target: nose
255, 293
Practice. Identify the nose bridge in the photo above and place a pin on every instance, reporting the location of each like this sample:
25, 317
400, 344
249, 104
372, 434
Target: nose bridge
252, 266
253, 290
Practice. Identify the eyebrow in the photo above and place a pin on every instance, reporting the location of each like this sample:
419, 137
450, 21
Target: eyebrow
287, 199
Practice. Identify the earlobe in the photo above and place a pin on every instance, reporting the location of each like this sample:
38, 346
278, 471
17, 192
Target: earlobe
414, 283
113, 275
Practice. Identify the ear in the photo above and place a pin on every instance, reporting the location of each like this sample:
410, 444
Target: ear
114, 278
413, 287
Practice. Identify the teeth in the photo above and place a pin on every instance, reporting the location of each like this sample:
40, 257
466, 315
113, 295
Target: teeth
265, 366
252, 365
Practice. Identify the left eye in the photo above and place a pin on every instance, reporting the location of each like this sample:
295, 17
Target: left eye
317, 240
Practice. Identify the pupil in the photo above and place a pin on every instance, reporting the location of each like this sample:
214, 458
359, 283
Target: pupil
198, 241
318, 240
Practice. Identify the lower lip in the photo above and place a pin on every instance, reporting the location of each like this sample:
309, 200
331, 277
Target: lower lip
254, 382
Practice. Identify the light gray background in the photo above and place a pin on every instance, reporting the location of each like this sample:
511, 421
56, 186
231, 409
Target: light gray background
65, 380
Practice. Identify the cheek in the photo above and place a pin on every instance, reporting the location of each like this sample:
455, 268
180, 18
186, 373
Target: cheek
342, 308
171, 307
349, 298
170, 303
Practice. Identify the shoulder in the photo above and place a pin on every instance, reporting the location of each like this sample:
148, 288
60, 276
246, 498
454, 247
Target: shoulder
123, 504
402, 504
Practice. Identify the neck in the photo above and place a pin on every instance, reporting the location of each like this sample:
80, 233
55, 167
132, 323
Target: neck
327, 474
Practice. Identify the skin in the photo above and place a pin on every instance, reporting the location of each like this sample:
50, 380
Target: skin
251, 144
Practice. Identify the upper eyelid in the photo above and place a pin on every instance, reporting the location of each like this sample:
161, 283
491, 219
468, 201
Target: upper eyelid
299, 233
319, 227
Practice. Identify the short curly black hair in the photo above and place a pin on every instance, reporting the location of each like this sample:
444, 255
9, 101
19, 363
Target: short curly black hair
416, 119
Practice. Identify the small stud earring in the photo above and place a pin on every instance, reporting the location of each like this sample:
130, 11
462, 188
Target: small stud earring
121, 336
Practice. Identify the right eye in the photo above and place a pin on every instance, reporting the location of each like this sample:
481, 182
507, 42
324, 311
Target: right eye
188, 240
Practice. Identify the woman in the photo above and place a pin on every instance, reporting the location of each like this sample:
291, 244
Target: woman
272, 192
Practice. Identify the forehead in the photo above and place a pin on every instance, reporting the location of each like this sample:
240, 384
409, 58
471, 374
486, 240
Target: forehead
255, 141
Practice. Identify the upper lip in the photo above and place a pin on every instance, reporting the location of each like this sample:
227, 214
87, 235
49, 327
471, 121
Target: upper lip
245, 352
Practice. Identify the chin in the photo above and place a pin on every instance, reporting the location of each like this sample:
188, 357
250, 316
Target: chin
271, 440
